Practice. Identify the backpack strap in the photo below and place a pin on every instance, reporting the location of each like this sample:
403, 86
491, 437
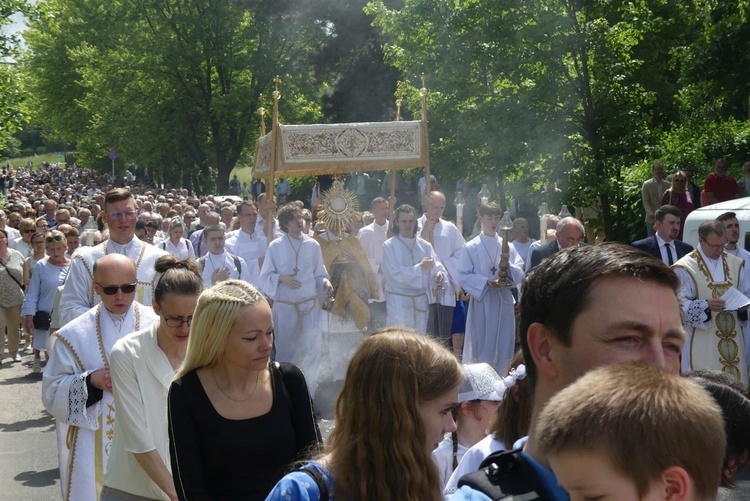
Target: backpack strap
506, 475
237, 264
319, 481
202, 262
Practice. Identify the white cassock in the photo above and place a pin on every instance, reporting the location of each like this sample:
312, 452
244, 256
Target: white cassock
84, 434
716, 342
408, 286
448, 243
745, 255
296, 312
251, 248
78, 294
372, 237
490, 322
212, 262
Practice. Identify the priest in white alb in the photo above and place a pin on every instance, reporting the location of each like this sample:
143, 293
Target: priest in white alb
247, 242
372, 237
120, 215
77, 387
413, 273
294, 276
490, 322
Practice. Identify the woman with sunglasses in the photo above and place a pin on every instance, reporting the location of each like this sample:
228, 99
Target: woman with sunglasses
142, 366
48, 275
38, 252
237, 422
679, 196
11, 294
27, 229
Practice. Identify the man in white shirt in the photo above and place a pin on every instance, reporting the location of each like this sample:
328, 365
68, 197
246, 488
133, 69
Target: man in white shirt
246, 242
448, 242
715, 339
664, 244
218, 264
13, 234
77, 386
266, 210
119, 215
411, 269
651, 193
372, 237
294, 276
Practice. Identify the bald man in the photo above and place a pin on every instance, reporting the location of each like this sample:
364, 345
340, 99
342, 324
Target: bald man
77, 388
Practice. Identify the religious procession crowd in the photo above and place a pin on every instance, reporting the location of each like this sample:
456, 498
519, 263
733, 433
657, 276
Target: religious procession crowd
184, 337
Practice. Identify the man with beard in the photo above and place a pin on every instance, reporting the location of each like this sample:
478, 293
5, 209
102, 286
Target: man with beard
664, 244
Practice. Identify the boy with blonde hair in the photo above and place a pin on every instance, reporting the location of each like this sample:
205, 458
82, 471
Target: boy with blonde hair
627, 432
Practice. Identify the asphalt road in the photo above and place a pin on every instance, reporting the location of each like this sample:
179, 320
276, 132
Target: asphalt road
28, 447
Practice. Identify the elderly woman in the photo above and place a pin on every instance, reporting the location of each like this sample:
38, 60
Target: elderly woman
176, 244
143, 365
11, 293
237, 422
23, 244
48, 275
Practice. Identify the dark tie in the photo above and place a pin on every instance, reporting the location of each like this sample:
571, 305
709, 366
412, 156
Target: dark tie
669, 254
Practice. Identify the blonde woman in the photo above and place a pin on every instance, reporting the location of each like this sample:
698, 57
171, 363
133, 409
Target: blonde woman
679, 196
237, 421
393, 410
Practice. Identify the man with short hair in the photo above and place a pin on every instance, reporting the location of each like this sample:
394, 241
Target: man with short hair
218, 264
196, 237
13, 234
720, 186
293, 275
743, 185
569, 233
267, 210
411, 269
50, 208
246, 242
651, 193
372, 237
583, 308
226, 215
706, 274
119, 215
77, 386
62, 216
490, 323
664, 244
14, 219
521, 240
447, 242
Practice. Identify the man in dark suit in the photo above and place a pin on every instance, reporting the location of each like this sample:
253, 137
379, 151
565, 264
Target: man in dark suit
664, 244
569, 233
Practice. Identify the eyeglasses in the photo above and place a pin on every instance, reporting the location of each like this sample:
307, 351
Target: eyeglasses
122, 215
111, 290
38, 242
176, 323
680, 180
53, 238
712, 246
31, 230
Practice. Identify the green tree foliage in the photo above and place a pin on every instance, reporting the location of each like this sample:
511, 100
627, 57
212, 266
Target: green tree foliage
534, 91
173, 85
12, 116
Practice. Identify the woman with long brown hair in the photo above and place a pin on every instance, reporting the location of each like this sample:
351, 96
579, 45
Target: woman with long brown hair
393, 410
679, 196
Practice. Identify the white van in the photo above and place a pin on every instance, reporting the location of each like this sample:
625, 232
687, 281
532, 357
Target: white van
740, 206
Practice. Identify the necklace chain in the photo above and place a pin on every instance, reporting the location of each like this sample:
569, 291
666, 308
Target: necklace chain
296, 254
252, 393
497, 249
410, 249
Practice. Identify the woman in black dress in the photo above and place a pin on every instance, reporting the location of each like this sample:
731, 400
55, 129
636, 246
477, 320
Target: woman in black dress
237, 421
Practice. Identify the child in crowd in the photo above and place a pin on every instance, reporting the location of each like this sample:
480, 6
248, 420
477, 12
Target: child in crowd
627, 432
477, 402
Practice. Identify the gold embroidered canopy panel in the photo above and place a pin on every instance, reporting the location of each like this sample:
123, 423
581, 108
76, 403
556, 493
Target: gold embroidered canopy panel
338, 148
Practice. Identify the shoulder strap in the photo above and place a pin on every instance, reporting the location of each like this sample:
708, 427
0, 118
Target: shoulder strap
163, 245
202, 262
276, 367
237, 264
319, 481
506, 475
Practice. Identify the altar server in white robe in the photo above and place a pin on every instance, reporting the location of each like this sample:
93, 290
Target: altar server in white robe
247, 242
490, 322
294, 276
448, 243
412, 271
77, 386
372, 237
120, 215
732, 230
218, 264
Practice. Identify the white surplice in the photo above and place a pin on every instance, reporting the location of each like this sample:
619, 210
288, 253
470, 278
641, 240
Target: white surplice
448, 243
78, 294
251, 248
490, 322
408, 286
372, 237
84, 434
296, 312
